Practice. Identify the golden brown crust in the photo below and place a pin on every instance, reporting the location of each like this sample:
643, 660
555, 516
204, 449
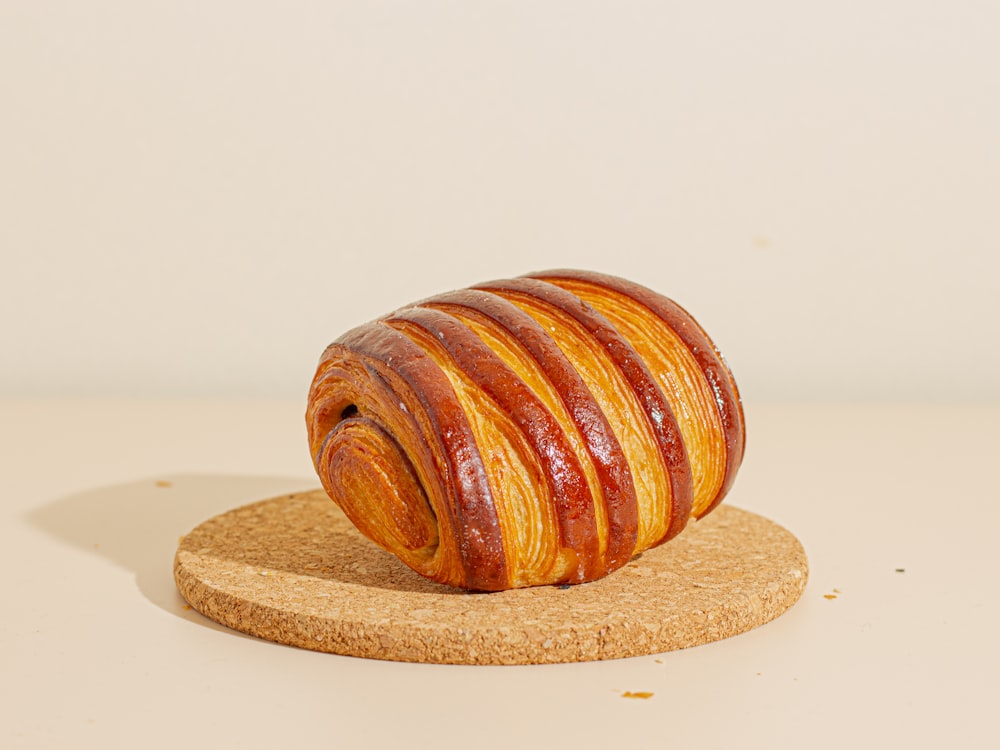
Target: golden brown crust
401, 387
561, 471
523, 432
654, 412
715, 371
613, 490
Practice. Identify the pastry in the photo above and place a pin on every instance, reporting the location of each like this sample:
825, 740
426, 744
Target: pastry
539, 430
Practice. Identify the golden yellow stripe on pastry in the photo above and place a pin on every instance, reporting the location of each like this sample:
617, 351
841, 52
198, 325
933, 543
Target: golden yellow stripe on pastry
515, 356
625, 414
363, 467
364, 463
678, 375
529, 528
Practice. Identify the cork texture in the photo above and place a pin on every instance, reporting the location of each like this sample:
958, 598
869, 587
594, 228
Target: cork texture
294, 570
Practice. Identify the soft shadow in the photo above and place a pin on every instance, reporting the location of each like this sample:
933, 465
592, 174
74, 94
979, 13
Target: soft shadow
138, 525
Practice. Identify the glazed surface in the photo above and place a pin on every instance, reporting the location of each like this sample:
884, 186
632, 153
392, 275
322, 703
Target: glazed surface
530, 431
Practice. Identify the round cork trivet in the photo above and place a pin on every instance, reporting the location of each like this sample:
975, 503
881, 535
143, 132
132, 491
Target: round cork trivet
293, 569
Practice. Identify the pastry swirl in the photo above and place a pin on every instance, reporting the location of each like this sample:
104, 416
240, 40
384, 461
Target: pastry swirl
538, 430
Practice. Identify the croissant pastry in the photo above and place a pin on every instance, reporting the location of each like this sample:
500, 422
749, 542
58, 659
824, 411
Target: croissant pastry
539, 430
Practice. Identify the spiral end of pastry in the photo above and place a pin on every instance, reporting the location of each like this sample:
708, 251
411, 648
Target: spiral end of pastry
532, 431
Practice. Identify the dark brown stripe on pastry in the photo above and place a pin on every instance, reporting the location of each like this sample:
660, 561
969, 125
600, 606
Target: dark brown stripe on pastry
599, 440
466, 486
657, 411
711, 361
567, 482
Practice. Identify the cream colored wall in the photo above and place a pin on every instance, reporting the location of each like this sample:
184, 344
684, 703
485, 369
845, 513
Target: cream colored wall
196, 197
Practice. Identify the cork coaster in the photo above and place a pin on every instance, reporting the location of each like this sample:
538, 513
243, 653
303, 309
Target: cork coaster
293, 569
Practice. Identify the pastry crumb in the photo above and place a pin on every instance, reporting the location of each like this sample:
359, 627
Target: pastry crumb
163, 483
637, 694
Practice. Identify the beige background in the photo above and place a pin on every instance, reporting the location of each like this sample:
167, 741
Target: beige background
196, 197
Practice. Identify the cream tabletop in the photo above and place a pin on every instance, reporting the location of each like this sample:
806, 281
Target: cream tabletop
892, 642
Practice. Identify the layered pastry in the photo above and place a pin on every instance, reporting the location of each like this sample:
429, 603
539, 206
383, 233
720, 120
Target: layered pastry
539, 430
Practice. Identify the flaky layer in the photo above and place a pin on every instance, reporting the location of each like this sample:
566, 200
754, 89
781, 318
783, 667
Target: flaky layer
531, 431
